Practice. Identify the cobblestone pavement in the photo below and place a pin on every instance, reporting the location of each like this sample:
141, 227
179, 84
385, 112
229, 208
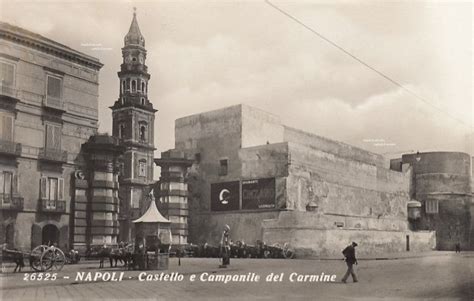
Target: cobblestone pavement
445, 277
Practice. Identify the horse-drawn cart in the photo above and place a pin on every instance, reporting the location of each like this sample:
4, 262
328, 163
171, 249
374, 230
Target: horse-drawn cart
42, 258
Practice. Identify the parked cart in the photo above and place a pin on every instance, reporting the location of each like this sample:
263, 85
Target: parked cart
42, 258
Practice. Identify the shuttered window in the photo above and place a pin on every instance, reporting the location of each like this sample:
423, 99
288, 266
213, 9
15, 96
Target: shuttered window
60, 189
8, 186
6, 127
7, 73
51, 189
431, 206
16, 184
44, 188
54, 87
53, 136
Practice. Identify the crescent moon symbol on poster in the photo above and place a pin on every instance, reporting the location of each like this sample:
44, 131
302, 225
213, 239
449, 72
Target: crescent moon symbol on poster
224, 196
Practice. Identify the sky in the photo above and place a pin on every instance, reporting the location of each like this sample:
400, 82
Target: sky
205, 55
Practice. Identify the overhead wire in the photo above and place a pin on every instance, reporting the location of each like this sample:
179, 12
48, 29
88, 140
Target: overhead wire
388, 78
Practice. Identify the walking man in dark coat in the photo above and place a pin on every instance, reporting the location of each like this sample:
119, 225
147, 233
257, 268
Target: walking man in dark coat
458, 247
350, 258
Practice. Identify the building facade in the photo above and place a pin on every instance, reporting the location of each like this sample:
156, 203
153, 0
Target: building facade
133, 123
274, 183
48, 109
442, 183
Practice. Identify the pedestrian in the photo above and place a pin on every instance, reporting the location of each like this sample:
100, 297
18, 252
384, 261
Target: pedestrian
225, 247
458, 247
350, 258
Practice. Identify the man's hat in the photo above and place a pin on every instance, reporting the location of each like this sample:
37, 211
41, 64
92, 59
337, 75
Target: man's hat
227, 227
354, 244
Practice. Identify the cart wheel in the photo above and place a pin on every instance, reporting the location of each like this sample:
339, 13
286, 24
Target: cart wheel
53, 259
35, 257
287, 251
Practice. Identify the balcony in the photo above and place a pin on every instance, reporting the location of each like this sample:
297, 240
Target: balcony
52, 155
54, 103
53, 206
9, 91
11, 202
10, 148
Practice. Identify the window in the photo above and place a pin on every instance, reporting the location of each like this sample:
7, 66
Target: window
142, 168
7, 74
197, 157
143, 133
6, 127
6, 181
9, 185
143, 101
134, 202
54, 87
121, 131
51, 190
143, 87
223, 168
431, 206
134, 86
53, 136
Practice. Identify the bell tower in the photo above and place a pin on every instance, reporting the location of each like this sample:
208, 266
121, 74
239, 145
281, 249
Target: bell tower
133, 118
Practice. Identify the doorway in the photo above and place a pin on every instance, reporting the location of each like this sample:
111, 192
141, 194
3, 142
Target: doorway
50, 235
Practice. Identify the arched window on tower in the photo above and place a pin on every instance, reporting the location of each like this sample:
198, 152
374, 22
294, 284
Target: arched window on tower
143, 132
121, 131
142, 168
123, 86
134, 86
143, 87
128, 84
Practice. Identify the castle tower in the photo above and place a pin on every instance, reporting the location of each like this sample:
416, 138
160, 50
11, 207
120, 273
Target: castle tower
174, 193
96, 202
133, 123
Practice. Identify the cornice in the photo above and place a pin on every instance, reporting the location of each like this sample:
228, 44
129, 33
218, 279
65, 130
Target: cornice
32, 40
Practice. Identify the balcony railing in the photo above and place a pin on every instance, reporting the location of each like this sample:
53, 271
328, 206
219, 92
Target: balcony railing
10, 148
11, 202
53, 206
8, 90
53, 155
53, 103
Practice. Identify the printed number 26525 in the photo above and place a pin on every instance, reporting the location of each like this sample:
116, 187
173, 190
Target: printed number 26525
40, 276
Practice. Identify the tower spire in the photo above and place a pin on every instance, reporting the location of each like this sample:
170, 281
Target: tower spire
134, 36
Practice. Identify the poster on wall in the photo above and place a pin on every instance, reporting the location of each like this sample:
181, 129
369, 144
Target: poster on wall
258, 194
225, 196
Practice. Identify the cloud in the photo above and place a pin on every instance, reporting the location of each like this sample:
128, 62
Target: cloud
208, 55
